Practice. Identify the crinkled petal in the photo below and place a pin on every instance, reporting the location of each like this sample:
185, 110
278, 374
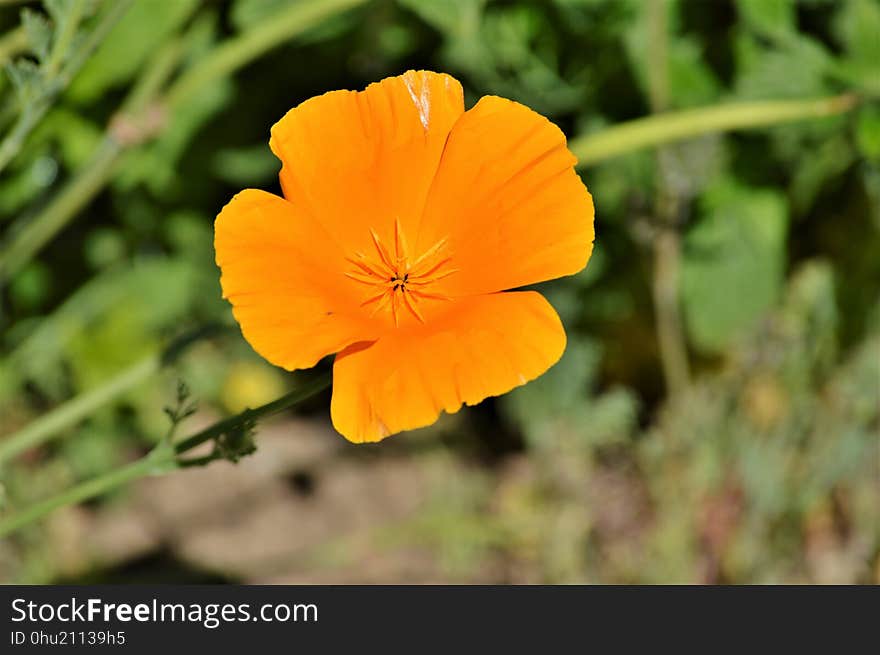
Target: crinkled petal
507, 197
485, 347
361, 160
282, 276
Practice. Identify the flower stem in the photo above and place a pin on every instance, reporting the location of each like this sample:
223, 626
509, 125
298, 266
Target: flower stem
71, 412
57, 77
84, 491
161, 459
678, 125
671, 340
76, 409
667, 306
61, 48
222, 61
36, 233
298, 395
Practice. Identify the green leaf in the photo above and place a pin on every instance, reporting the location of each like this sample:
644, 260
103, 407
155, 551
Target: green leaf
105, 323
30, 288
26, 79
691, 80
450, 17
154, 165
868, 131
246, 166
734, 260
58, 9
768, 17
563, 388
104, 247
247, 13
828, 161
512, 57
76, 136
128, 46
858, 27
795, 71
39, 33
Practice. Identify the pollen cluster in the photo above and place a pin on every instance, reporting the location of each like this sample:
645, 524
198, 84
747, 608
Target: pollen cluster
399, 282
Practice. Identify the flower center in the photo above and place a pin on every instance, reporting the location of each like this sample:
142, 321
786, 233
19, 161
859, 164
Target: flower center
399, 282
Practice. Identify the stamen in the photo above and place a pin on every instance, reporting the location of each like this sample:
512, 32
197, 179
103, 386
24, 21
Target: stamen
361, 277
394, 302
364, 265
427, 296
433, 250
383, 299
383, 254
428, 280
432, 269
399, 284
411, 305
400, 242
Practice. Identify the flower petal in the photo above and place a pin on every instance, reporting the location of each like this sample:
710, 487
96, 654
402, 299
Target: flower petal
282, 276
361, 160
485, 347
507, 196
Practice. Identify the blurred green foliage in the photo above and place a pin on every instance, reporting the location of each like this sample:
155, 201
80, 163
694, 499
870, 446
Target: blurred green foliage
765, 469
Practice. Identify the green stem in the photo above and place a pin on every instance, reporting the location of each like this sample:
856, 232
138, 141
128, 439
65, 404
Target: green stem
224, 60
76, 409
160, 460
86, 490
666, 286
61, 47
93, 177
36, 233
147, 86
658, 62
674, 126
56, 81
295, 397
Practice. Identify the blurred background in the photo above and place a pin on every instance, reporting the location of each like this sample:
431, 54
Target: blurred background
714, 418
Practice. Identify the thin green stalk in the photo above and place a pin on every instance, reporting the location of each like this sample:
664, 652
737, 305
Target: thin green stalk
298, 395
658, 61
76, 409
674, 126
57, 80
94, 39
148, 85
35, 234
223, 61
70, 413
666, 287
61, 47
161, 459
156, 461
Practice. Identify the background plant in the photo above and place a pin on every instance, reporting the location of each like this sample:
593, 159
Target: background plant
715, 417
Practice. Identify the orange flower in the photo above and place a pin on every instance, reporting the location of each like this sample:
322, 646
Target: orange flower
404, 218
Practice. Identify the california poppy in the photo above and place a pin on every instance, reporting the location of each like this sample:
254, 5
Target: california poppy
405, 221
